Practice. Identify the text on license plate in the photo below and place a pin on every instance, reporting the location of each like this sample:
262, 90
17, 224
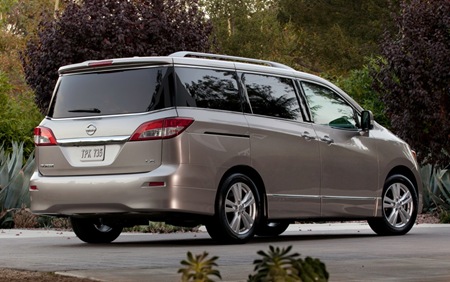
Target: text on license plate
92, 153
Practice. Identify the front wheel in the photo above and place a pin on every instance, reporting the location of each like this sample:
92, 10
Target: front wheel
399, 207
238, 210
94, 231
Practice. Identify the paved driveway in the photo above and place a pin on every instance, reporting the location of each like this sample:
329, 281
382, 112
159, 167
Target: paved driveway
351, 252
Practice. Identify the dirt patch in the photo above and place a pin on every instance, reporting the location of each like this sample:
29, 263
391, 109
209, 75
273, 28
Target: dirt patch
426, 218
11, 275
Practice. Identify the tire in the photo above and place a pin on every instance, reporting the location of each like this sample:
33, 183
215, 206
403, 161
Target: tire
399, 207
238, 210
94, 231
272, 229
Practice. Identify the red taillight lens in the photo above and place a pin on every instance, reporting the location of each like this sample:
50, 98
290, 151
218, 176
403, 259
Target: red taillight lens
100, 63
161, 129
43, 136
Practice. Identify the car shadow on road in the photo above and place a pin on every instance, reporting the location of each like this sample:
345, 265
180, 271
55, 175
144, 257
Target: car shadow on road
167, 240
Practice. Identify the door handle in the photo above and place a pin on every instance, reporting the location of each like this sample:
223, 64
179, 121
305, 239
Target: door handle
307, 136
327, 139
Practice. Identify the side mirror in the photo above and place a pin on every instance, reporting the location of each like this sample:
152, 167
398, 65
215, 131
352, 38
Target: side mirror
366, 120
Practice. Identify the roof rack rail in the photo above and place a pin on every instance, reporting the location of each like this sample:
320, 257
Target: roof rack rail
229, 58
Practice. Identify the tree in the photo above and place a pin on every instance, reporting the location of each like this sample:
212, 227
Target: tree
18, 113
414, 78
249, 28
18, 22
359, 85
336, 34
242, 27
100, 29
18, 116
21, 17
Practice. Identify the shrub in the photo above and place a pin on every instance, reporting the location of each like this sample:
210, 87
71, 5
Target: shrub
18, 116
414, 78
159, 227
198, 268
436, 198
277, 265
14, 182
281, 265
95, 30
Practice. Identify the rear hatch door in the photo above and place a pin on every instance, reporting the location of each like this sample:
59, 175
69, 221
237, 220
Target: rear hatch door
94, 113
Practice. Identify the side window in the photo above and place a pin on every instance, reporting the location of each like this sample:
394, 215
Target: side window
328, 108
272, 96
208, 88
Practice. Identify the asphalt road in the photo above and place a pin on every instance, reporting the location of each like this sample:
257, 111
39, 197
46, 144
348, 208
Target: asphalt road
351, 252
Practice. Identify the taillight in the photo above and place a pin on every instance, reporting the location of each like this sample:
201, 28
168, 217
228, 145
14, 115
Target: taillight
161, 129
100, 63
43, 136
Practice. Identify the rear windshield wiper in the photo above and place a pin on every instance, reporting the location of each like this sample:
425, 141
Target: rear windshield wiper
91, 110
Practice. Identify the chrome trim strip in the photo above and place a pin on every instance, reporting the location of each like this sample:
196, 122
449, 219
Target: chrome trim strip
99, 117
291, 196
294, 196
350, 198
93, 141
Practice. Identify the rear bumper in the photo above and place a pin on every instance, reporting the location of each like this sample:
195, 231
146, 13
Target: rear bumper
126, 193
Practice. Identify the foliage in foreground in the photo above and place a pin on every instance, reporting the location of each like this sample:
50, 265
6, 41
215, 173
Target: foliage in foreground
199, 268
277, 265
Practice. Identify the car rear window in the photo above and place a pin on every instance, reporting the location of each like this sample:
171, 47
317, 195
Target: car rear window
111, 92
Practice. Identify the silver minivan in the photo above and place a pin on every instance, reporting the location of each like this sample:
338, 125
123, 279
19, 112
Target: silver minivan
242, 146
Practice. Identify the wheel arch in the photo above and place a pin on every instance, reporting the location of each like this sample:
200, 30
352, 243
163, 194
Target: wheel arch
403, 170
254, 176
415, 180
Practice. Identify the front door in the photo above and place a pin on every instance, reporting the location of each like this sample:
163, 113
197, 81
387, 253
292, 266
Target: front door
349, 162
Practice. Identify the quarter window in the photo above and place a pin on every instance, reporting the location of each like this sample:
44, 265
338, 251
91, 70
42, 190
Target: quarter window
272, 96
328, 108
207, 88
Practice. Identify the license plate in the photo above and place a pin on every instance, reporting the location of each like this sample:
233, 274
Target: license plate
92, 153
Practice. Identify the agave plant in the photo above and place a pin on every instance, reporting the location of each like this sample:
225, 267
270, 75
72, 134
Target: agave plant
14, 181
312, 270
279, 265
436, 184
198, 268
276, 265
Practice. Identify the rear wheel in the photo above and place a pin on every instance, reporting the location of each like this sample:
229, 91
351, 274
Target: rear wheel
92, 230
272, 229
399, 207
238, 210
